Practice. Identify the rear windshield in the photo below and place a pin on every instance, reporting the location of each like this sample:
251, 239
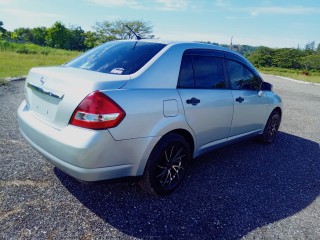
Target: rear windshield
117, 57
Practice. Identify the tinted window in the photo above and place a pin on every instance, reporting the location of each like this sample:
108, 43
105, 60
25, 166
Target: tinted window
117, 57
208, 72
241, 77
201, 72
186, 78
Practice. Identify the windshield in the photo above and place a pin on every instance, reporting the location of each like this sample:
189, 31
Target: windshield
117, 57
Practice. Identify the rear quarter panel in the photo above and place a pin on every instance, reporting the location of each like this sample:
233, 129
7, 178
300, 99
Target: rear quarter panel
144, 113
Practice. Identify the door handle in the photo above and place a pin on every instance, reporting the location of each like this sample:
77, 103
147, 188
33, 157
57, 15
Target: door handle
240, 99
193, 101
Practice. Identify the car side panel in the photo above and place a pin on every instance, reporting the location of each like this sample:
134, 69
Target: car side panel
211, 118
249, 115
147, 113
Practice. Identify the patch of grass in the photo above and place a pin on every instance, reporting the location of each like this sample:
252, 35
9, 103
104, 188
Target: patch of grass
303, 75
17, 59
28, 48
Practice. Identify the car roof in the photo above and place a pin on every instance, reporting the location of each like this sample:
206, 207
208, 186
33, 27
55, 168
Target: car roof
187, 43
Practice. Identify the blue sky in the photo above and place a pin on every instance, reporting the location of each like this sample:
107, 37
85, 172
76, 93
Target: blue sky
282, 23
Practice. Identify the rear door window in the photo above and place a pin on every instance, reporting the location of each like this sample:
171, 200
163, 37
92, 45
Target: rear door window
186, 77
118, 57
201, 72
208, 72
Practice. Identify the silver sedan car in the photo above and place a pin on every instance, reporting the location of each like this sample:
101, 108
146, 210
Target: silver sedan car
145, 108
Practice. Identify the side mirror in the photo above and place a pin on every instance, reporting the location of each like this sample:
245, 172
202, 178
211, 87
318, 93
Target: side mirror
265, 86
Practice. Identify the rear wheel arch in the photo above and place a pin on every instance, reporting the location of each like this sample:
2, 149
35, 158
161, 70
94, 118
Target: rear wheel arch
180, 131
167, 164
187, 136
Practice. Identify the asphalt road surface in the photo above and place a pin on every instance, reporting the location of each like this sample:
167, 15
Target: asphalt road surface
248, 190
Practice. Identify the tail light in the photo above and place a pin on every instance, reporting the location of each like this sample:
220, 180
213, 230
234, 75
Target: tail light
97, 111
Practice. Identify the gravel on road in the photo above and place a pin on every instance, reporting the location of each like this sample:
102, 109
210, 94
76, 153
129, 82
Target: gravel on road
248, 190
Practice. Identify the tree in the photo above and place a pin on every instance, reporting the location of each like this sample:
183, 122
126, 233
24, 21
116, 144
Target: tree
57, 36
22, 34
262, 57
108, 31
310, 46
318, 49
311, 62
39, 35
287, 58
91, 39
2, 30
76, 38
246, 50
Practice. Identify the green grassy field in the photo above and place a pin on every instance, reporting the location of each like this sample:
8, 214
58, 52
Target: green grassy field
307, 76
17, 59
13, 64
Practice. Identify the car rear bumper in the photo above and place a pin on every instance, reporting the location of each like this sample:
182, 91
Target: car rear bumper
87, 155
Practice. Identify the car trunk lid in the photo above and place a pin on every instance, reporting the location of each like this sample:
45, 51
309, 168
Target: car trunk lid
53, 93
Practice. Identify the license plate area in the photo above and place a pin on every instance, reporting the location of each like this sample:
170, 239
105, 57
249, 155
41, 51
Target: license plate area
42, 104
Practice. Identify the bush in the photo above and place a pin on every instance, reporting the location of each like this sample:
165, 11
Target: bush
287, 58
25, 50
311, 62
5, 46
30, 48
262, 57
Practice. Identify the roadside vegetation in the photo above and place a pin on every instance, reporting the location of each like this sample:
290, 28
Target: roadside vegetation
300, 64
310, 76
17, 59
24, 48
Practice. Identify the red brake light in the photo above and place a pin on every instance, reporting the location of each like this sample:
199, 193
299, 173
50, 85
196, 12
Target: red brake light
97, 111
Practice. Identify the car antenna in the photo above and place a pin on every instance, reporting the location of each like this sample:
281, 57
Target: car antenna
137, 36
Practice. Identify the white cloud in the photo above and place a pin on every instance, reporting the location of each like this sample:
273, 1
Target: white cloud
29, 14
283, 10
129, 3
271, 9
160, 5
172, 4
5, 2
222, 3
29, 19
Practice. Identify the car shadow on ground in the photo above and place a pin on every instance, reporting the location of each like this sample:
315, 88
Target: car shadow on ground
227, 194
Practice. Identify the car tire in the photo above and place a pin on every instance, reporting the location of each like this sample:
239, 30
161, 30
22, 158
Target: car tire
167, 165
271, 128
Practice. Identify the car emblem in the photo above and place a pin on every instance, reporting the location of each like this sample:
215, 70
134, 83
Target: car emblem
42, 80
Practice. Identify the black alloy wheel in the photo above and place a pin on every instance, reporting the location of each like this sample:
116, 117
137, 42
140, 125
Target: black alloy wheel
271, 128
167, 165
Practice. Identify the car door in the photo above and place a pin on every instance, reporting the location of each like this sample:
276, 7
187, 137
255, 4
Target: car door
250, 105
207, 102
